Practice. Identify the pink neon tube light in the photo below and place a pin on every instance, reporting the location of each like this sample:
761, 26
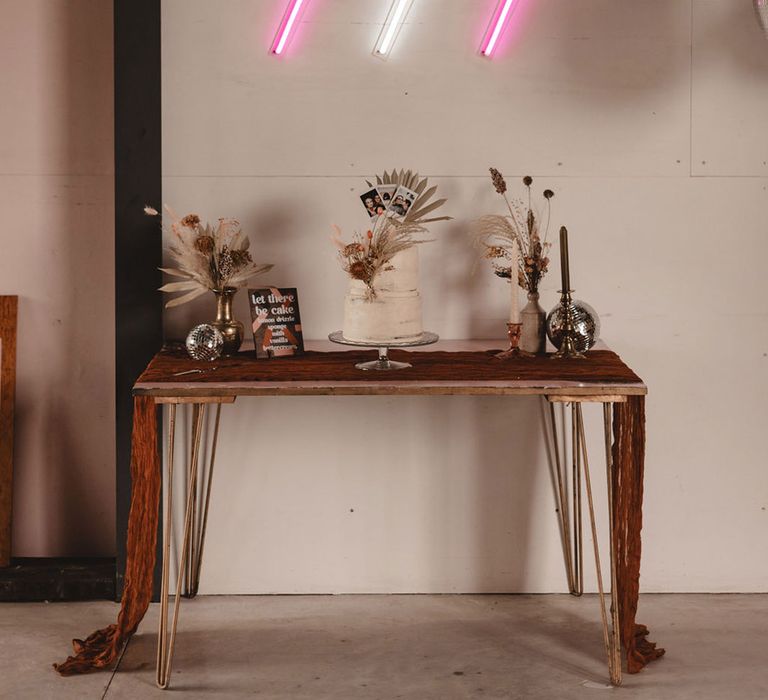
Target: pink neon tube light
287, 25
500, 16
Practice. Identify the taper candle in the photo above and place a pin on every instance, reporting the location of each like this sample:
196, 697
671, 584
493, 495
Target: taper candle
514, 307
564, 269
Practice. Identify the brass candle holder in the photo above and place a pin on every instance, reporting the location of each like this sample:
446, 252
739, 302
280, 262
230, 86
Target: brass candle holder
568, 346
513, 333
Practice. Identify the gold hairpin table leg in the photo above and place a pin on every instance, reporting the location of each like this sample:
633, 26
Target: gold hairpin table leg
188, 569
580, 461
198, 537
578, 549
192, 470
166, 639
563, 506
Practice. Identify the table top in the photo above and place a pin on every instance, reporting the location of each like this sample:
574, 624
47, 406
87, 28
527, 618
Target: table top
452, 367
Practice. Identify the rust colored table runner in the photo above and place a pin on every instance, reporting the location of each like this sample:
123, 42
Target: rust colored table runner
433, 372
454, 368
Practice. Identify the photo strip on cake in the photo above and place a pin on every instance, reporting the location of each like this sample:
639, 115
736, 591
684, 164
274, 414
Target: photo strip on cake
402, 201
373, 203
386, 192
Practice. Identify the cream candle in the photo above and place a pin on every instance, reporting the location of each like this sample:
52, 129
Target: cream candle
514, 307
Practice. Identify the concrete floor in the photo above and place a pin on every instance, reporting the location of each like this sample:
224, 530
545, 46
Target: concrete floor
387, 647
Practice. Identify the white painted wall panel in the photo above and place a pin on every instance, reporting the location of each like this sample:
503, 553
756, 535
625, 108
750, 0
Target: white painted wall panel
730, 90
56, 196
452, 494
331, 108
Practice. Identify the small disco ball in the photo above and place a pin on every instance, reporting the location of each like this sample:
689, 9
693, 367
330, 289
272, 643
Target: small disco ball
761, 12
586, 325
205, 342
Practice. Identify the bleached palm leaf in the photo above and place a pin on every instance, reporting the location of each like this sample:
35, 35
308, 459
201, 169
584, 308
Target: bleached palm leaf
435, 218
173, 272
184, 298
422, 204
420, 213
425, 197
180, 286
242, 276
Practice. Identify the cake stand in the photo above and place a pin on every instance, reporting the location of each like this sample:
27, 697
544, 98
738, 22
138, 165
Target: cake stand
384, 363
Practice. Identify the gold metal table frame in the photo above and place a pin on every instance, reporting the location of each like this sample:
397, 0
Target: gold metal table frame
572, 480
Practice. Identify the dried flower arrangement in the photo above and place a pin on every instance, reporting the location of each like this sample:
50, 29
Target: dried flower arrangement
498, 233
370, 253
208, 258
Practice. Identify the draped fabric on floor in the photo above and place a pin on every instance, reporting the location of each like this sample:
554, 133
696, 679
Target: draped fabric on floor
629, 459
102, 648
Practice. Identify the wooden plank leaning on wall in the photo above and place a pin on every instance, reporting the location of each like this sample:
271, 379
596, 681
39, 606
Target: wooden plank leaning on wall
8, 313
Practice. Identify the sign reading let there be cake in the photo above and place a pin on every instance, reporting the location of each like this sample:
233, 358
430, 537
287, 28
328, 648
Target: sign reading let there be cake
276, 321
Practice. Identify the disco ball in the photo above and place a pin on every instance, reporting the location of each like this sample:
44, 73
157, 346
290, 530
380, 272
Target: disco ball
586, 325
205, 342
761, 12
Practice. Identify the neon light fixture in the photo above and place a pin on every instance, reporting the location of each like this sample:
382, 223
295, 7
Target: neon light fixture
392, 25
499, 19
287, 26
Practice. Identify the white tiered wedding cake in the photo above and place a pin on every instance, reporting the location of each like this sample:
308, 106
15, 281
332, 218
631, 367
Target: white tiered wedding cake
394, 313
383, 306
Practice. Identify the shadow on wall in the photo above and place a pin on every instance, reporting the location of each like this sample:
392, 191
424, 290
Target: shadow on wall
644, 38
736, 37
616, 50
64, 481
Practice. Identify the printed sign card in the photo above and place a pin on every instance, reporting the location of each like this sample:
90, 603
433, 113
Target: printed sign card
276, 321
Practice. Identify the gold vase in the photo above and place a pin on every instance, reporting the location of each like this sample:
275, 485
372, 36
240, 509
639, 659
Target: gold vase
231, 329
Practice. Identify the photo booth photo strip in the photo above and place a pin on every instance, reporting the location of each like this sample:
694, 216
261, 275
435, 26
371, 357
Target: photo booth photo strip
385, 193
402, 200
276, 321
373, 203
378, 200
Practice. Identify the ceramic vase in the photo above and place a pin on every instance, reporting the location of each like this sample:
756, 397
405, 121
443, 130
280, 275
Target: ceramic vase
533, 337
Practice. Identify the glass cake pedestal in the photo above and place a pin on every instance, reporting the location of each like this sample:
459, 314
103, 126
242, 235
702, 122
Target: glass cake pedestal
384, 363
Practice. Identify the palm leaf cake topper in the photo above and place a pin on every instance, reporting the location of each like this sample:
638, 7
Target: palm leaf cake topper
399, 204
421, 206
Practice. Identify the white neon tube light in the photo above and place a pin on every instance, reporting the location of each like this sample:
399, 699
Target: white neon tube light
392, 25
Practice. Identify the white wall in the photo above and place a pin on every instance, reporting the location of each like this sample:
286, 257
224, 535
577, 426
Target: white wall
57, 254
646, 118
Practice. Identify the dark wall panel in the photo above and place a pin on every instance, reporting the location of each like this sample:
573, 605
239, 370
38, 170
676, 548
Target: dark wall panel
138, 244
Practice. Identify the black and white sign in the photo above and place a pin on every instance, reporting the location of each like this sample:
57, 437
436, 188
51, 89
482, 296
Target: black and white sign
276, 321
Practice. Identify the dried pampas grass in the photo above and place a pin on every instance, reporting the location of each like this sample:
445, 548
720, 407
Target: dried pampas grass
207, 258
497, 234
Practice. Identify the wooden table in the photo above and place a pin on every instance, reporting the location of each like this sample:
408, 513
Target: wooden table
452, 368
